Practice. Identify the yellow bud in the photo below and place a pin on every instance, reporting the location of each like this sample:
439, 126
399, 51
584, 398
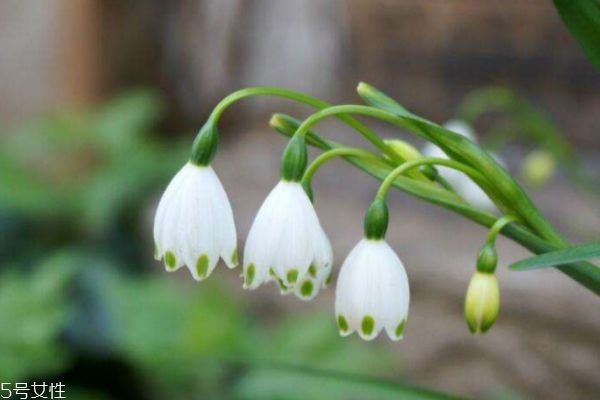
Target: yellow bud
408, 152
482, 302
538, 167
404, 149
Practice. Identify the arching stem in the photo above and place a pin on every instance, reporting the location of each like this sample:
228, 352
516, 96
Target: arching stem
392, 176
338, 152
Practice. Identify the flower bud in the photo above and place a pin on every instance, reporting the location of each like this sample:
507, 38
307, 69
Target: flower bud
408, 152
376, 98
404, 149
538, 167
482, 302
284, 124
205, 145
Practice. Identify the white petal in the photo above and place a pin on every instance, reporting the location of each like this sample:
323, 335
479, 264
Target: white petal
454, 177
199, 238
165, 202
227, 238
169, 234
462, 128
474, 195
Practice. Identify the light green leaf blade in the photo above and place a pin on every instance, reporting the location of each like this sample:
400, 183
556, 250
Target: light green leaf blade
559, 257
582, 18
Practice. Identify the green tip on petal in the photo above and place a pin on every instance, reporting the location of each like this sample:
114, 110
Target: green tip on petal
292, 276
202, 266
234, 257
400, 329
282, 286
312, 270
170, 261
367, 325
486, 325
342, 323
249, 277
307, 288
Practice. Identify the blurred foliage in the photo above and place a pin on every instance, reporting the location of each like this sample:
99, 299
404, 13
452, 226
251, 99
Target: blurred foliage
519, 120
86, 167
33, 312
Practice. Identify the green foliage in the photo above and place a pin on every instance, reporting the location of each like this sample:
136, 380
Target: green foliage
86, 167
564, 256
582, 18
282, 384
33, 312
521, 120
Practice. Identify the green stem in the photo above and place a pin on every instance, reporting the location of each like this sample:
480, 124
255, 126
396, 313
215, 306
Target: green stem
339, 152
392, 176
310, 101
498, 226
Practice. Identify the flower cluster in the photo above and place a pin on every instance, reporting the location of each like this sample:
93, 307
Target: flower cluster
286, 244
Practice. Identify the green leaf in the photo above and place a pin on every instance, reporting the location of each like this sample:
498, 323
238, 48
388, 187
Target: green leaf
582, 18
290, 382
559, 257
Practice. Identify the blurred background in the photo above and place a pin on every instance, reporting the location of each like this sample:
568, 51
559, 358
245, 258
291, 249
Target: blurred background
100, 101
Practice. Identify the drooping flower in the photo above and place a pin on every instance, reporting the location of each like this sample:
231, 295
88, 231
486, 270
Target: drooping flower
194, 223
372, 292
286, 243
464, 186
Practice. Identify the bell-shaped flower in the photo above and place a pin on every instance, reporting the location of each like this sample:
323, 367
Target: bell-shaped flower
194, 223
286, 243
372, 292
463, 185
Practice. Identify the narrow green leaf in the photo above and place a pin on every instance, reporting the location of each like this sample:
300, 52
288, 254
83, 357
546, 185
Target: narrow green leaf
582, 18
559, 257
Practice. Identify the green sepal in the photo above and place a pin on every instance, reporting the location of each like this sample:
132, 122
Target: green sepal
294, 159
205, 144
376, 220
308, 190
487, 259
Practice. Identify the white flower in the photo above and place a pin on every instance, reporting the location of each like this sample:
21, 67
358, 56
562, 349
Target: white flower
463, 185
287, 244
372, 292
194, 223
